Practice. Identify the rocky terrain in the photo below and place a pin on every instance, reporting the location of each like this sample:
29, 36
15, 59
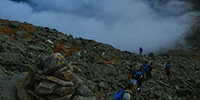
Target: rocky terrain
96, 70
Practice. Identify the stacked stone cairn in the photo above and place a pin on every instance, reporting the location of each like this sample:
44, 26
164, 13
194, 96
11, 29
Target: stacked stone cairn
53, 80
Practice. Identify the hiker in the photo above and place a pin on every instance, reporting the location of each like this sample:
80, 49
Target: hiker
168, 56
149, 70
145, 67
142, 70
124, 94
168, 69
140, 50
127, 91
132, 78
139, 80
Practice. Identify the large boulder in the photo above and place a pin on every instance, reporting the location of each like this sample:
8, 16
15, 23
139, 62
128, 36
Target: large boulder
45, 87
53, 63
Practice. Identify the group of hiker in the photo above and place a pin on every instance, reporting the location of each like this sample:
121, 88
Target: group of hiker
136, 77
139, 75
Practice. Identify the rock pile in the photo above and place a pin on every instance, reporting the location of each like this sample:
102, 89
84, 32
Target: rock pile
52, 81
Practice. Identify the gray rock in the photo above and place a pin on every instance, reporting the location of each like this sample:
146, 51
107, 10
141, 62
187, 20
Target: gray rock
83, 90
78, 97
59, 81
91, 84
35, 95
28, 83
45, 87
2, 48
65, 75
163, 83
62, 91
38, 77
103, 85
54, 97
61, 37
40, 63
37, 48
54, 62
22, 93
15, 25
77, 81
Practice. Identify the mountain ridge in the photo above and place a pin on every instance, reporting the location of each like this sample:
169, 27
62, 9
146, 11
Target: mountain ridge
101, 68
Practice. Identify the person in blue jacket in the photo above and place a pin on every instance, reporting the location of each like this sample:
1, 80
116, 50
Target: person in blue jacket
139, 79
168, 56
168, 69
145, 67
140, 50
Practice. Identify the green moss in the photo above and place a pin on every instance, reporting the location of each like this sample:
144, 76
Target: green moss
60, 62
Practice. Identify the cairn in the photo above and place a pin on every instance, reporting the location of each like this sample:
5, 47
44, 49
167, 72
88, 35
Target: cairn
53, 80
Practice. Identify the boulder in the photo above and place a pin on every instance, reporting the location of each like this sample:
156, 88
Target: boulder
45, 87
59, 81
62, 91
53, 63
65, 75
22, 93
83, 90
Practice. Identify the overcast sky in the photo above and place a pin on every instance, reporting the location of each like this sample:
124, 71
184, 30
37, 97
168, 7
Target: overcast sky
124, 24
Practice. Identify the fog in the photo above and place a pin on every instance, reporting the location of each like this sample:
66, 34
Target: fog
124, 24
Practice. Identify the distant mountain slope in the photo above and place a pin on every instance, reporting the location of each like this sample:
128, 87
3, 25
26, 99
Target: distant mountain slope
101, 69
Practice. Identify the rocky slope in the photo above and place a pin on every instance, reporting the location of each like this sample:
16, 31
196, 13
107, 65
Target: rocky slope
99, 69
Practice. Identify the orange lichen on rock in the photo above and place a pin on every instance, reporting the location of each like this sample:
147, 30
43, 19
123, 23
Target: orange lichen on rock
60, 47
7, 29
14, 37
28, 36
110, 61
39, 40
27, 28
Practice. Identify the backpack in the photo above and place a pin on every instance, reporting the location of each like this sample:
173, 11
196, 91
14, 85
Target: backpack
167, 67
145, 67
139, 76
119, 95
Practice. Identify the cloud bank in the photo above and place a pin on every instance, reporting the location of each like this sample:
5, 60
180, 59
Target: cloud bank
126, 24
